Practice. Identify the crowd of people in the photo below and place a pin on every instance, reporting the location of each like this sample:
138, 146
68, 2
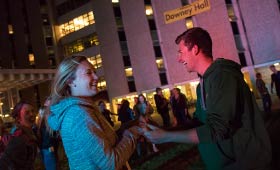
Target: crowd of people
230, 135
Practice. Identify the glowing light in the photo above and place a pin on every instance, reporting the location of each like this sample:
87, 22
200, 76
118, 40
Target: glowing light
149, 10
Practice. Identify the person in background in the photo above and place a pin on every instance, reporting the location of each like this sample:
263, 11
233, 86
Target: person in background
20, 146
162, 107
49, 140
143, 107
125, 113
264, 93
275, 80
144, 110
89, 141
233, 135
106, 113
180, 108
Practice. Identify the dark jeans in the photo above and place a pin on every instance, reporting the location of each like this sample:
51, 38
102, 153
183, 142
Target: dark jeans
266, 103
166, 118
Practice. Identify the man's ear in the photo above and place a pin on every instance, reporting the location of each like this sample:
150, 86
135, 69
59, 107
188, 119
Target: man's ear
195, 49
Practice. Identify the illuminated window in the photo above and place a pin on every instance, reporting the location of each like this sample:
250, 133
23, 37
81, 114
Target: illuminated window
159, 63
189, 23
101, 85
31, 59
231, 14
128, 72
96, 61
76, 24
149, 10
81, 44
115, 1
10, 29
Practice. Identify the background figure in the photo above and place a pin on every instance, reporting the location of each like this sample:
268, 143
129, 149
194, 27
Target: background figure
180, 108
143, 107
144, 110
106, 113
20, 146
275, 79
264, 93
89, 141
49, 140
162, 107
233, 135
125, 113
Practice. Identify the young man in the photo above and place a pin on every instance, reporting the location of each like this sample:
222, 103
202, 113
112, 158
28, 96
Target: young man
260, 84
162, 107
275, 79
233, 135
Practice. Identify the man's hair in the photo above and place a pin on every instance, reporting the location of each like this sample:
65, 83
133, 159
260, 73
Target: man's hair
197, 36
258, 75
272, 66
158, 89
16, 111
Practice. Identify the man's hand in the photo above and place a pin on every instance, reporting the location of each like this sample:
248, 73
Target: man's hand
155, 134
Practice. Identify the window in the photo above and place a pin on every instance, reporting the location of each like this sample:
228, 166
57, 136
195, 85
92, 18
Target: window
184, 2
81, 44
234, 28
122, 36
49, 41
157, 51
149, 10
228, 2
131, 86
152, 24
189, 23
163, 78
231, 14
126, 61
77, 24
45, 19
159, 63
242, 59
69, 5
147, 2
10, 29
117, 11
96, 61
128, 72
31, 59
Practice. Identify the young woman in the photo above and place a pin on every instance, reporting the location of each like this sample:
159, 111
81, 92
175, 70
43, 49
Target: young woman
20, 146
89, 141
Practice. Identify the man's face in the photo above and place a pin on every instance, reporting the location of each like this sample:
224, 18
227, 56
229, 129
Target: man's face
27, 115
186, 57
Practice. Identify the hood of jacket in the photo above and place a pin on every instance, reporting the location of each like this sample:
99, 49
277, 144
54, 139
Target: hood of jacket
224, 65
58, 110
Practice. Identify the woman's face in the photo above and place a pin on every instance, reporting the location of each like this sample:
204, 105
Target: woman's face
27, 115
85, 82
141, 99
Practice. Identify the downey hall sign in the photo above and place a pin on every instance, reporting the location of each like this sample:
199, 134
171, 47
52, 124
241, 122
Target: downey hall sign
186, 11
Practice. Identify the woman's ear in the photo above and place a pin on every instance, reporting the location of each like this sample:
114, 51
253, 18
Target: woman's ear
70, 83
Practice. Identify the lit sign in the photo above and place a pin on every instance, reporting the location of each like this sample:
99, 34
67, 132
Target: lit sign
186, 11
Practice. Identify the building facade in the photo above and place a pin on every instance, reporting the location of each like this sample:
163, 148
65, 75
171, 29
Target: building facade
133, 49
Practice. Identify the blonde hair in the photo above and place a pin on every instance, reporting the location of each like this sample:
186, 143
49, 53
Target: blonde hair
64, 75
